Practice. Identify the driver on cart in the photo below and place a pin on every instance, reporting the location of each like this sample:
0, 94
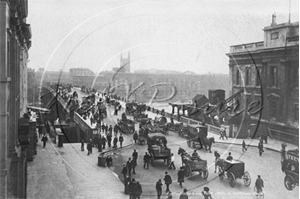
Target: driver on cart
195, 156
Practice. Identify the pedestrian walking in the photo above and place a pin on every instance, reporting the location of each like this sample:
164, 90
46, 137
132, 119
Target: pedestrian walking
224, 134
184, 195
135, 136
110, 129
103, 127
244, 146
82, 145
124, 172
217, 156
109, 161
265, 136
180, 175
103, 142
106, 129
168, 181
131, 188
116, 129
129, 166
133, 165
172, 162
260, 148
221, 134
108, 137
206, 193
134, 154
44, 140
158, 187
146, 160
115, 141
121, 139
89, 147
259, 184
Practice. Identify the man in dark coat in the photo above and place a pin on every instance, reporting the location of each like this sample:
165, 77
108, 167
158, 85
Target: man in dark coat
139, 190
134, 154
244, 146
103, 142
168, 181
103, 127
129, 166
89, 147
115, 141
135, 136
184, 195
180, 175
116, 129
110, 129
158, 187
121, 139
260, 148
229, 158
108, 137
124, 172
44, 140
259, 184
146, 160
133, 165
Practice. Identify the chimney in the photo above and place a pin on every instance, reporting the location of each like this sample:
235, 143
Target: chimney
273, 19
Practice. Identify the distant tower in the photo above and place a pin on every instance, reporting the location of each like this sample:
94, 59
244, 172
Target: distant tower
125, 63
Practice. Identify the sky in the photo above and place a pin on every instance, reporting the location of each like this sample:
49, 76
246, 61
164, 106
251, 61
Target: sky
180, 35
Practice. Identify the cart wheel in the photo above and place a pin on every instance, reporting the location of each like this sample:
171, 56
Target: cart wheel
231, 179
205, 174
289, 183
247, 179
221, 174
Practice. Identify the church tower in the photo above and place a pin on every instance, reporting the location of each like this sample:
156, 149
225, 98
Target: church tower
125, 63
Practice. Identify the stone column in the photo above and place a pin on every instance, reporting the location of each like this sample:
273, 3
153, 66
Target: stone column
4, 95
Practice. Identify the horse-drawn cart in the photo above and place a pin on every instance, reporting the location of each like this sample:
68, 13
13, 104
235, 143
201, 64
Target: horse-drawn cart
290, 166
157, 148
231, 170
193, 164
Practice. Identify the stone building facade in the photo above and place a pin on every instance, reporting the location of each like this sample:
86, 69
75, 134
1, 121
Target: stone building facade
268, 73
15, 41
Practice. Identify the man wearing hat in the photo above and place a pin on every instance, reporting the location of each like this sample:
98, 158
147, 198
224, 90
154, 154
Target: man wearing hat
259, 184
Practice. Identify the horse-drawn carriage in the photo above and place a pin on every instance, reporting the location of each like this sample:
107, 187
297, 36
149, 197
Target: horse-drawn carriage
290, 166
193, 164
231, 170
126, 125
158, 125
197, 137
157, 148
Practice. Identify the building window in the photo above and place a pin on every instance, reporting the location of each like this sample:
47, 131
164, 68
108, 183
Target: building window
297, 112
248, 77
274, 35
296, 76
258, 76
273, 110
273, 76
238, 77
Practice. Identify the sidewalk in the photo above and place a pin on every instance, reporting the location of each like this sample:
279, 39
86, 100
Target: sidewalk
67, 172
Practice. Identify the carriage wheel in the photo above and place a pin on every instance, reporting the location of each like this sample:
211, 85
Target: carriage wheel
289, 183
247, 179
221, 173
231, 179
205, 174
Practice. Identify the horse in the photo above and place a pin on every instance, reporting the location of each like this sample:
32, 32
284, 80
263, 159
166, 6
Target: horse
220, 163
207, 142
183, 154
